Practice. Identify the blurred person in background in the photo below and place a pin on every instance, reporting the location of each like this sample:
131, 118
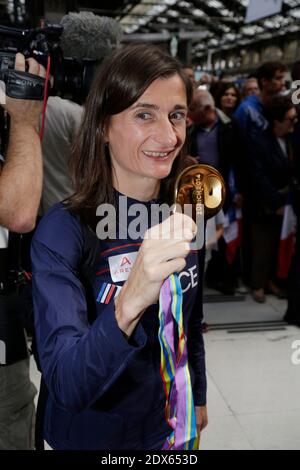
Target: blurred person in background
216, 140
250, 113
227, 98
270, 176
250, 87
292, 315
206, 80
189, 71
214, 137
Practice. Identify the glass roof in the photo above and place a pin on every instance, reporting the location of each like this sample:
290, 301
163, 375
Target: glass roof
222, 20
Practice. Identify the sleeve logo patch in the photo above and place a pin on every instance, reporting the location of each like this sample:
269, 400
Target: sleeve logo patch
121, 265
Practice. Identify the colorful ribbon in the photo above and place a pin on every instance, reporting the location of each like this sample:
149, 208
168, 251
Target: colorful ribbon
180, 410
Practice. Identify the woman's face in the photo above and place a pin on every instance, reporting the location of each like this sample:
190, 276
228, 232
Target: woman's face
145, 139
229, 99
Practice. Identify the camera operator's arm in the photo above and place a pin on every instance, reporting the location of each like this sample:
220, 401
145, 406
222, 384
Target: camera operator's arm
21, 176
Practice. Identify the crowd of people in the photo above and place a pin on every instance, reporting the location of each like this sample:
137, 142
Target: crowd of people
251, 134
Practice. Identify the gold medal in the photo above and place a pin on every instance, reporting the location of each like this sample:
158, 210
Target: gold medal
200, 193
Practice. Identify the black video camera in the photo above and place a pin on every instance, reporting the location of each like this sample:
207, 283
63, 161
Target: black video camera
71, 77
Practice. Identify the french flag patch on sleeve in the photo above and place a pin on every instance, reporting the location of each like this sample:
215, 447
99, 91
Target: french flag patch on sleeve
107, 292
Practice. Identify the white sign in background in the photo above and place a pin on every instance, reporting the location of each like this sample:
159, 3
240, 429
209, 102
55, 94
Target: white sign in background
258, 9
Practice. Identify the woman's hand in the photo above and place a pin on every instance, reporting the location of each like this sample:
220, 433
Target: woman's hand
201, 418
162, 253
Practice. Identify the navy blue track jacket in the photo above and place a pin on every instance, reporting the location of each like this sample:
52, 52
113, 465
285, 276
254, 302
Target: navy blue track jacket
104, 392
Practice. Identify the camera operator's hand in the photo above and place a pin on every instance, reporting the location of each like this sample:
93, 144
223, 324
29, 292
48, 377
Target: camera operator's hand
26, 112
22, 173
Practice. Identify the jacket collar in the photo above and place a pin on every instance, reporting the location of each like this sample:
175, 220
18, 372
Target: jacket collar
223, 117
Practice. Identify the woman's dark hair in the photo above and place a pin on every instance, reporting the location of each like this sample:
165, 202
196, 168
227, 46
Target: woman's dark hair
220, 91
123, 78
277, 107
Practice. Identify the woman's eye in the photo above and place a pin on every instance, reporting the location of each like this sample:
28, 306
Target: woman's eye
144, 116
178, 116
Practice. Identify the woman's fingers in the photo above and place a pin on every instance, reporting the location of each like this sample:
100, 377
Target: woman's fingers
177, 226
165, 243
156, 264
172, 266
177, 250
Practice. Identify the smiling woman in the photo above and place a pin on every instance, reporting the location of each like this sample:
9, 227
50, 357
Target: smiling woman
145, 139
144, 89
96, 301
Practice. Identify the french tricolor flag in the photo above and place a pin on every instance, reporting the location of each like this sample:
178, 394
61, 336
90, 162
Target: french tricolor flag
107, 292
232, 232
287, 242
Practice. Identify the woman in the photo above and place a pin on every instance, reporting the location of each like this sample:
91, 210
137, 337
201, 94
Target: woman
227, 97
96, 309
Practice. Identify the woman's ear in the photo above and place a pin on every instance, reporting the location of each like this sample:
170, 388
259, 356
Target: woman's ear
105, 133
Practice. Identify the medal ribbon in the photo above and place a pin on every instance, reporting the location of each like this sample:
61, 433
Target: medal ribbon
179, 409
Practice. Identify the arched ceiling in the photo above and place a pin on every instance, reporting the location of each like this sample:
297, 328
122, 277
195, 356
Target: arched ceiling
220, 23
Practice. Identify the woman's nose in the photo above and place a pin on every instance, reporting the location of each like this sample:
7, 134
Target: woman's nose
165, 133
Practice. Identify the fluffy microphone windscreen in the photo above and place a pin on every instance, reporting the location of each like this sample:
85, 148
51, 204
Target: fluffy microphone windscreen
88, 36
